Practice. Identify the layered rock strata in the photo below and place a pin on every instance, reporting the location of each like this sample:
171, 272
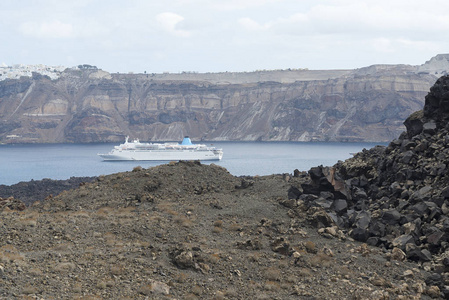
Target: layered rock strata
367, 104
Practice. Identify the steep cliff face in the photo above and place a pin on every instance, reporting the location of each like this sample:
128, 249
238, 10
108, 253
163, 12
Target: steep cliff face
367, 104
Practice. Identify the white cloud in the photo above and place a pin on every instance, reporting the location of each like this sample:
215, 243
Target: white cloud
169, 22
230, 5
382, 45
362, 18
53, 30
251, 25
420, 45
224, 35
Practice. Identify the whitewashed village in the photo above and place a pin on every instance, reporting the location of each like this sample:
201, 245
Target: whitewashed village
18, 70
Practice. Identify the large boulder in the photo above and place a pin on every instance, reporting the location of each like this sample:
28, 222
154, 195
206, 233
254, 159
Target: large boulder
414, 123
437, 100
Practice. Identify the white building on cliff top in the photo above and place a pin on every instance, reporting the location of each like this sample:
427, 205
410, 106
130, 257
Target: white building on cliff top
19, 70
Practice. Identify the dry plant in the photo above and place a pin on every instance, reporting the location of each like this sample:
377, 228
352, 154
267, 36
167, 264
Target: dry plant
217, 230
272, 273
310, 247
31, 222
183, 221
304, 272
63, 247
29, 289
235, 227
125, 212
80, 214
167, 208
9, 253
137, 169
190, 296
218, 223
118, 269
271, 286
104, 212
320, 260
64, 267
197, 290
254, 256
213, 258
181, 277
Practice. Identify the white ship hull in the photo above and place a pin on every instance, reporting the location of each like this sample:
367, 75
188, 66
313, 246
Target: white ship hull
155, 155
162, 152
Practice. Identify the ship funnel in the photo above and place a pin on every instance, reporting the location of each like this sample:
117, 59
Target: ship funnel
186, 141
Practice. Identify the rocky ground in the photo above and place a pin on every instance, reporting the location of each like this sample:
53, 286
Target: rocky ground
373, 227
190, 231
34, 190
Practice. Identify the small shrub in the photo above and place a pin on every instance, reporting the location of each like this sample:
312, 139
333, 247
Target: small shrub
117, 270
183, 221
77, 288
213, 258
320, 260
29, 289
219, 295
345, 271
101, 285
65, 267
271, 286
137, 169
28, 222
310, 247
235, 227
145, 289
283, 264
35, 272
190, 297
254, 257
181, 277
197, 290
273, 274
232, 293
167, 208
304, 272
217, 230
9, 253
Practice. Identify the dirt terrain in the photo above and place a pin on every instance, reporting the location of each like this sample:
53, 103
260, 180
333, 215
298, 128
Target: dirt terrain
375, 226
190, 231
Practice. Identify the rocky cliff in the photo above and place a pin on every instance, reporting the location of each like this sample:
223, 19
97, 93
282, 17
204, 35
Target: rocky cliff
367, 104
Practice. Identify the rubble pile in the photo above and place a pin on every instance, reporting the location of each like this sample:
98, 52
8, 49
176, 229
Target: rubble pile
394, 197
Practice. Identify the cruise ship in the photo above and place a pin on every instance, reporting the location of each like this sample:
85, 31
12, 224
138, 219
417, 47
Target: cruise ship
186, 150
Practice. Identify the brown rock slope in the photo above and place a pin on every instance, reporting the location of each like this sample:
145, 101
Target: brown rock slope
82, 106
189, 231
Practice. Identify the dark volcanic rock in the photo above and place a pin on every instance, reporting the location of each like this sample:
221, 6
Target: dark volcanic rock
399, 194
437, 101
391, 217
37, 190
414, 123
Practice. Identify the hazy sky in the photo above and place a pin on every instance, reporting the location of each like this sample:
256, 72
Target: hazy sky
222, 35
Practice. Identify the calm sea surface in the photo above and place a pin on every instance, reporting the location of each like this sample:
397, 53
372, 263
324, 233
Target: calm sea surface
62, 161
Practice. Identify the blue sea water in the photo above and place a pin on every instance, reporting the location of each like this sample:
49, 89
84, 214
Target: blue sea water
62, 161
